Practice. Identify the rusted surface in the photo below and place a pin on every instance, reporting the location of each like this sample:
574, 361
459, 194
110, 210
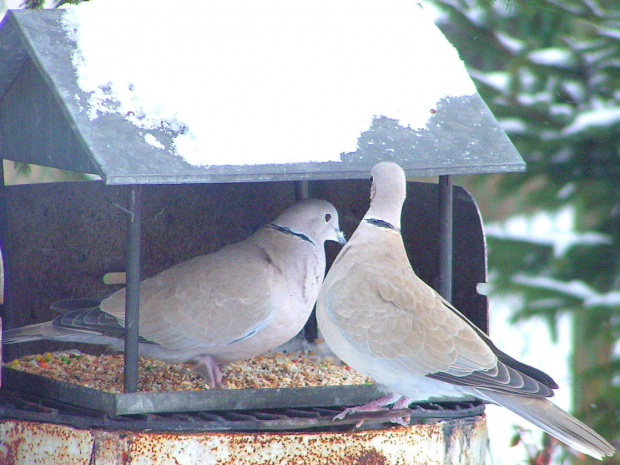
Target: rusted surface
110, 447
465, 445
460, 442
30, 443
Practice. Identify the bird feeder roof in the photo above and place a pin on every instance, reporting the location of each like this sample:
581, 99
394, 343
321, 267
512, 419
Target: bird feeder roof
43, 120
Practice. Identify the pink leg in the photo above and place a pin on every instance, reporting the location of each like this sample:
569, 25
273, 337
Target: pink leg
402, 403
377, 405
209, 369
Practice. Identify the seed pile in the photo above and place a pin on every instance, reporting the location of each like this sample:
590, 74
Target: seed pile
272, 370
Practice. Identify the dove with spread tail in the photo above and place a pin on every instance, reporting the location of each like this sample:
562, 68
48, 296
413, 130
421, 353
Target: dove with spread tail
233, 304
381, 319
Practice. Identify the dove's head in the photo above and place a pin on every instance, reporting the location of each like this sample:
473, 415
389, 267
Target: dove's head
387, 193
315, 218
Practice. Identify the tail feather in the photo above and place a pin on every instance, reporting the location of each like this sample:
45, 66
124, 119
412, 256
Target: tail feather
76, 324
30, 333
49, 331
554, 421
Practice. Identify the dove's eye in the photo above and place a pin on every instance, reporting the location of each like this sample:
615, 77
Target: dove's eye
327, 217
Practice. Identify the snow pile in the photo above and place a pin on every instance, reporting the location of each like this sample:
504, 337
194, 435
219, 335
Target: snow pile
554, 56
556, 230
576, 289
553, 229
262, 81
596, 118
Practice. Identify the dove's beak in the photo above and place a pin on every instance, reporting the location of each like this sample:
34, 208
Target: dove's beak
340, 237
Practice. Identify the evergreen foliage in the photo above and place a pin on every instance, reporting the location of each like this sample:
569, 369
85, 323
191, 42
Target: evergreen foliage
550, 72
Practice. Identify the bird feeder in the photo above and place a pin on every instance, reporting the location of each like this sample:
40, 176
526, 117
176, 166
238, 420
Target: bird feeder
152, 208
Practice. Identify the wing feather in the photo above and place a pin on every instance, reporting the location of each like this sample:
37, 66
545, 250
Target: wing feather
189, 304
390, 315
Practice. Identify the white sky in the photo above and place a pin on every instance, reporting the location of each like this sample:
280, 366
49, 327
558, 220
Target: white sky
530, 341
274, 81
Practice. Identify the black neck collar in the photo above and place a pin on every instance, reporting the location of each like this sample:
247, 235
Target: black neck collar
382, 224
290, 232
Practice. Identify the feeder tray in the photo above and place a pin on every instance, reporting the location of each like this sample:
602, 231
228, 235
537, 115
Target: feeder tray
42, 122
187, 401
22, 407
420, 236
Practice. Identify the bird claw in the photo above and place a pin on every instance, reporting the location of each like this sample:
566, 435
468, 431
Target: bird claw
401, 420
401, 403
380, 405
210, 370
361, 408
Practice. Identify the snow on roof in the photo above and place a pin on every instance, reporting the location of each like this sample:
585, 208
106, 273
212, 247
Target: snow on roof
257, 81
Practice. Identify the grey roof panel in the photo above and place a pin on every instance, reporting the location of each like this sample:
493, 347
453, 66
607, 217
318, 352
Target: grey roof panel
42, 121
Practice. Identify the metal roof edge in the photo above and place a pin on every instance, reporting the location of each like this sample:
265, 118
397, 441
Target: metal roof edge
14, 53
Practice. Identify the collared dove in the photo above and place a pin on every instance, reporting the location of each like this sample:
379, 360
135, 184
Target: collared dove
233, 304
381, 319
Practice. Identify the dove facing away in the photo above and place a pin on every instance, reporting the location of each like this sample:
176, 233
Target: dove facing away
233, 304
381, 319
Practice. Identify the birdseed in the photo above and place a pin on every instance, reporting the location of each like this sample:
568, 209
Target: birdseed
271, 370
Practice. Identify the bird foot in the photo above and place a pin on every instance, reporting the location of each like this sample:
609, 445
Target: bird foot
209, 369
401, 403
380, 405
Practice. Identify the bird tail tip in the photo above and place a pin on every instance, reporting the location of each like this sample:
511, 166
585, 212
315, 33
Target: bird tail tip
558, 423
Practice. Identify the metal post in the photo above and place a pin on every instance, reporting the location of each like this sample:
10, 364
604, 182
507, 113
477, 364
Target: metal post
132, 297
3, 237
3, 230
302, 191
445, 237
6, 312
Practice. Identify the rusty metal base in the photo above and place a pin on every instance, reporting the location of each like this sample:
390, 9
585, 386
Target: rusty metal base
35, 430
461, 441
